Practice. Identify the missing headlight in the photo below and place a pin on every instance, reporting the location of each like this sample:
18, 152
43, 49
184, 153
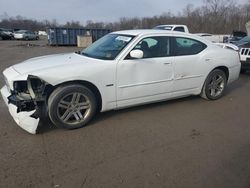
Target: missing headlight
21, 90
20, 87
36, 86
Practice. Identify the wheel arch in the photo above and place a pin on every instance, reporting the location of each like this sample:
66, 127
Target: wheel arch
224, 69
203, 93
87, 84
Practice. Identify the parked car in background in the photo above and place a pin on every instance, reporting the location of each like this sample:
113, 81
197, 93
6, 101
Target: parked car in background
3, 36
236, 36
6, 34
122, 69
25, 35
180, 28
244, 51
243, 41
42, 33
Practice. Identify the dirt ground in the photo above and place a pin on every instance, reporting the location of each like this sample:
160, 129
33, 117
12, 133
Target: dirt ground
182, 143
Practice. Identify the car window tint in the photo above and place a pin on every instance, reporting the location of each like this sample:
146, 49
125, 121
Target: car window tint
154, 47
181, 29
186, 46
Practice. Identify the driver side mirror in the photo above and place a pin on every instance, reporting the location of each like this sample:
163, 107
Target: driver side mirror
136, 54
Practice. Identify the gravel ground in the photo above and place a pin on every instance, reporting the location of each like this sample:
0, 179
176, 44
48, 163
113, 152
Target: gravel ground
185, 143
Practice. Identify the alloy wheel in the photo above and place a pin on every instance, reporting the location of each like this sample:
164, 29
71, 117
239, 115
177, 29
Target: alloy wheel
216, 85
74, 108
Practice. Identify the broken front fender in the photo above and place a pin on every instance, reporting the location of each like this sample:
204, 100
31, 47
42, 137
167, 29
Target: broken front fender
24, 119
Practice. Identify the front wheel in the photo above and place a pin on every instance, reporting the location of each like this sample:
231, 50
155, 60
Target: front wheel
214, 85
72, 106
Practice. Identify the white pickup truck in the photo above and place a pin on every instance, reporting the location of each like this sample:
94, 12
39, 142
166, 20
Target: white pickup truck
184, 28
180, 28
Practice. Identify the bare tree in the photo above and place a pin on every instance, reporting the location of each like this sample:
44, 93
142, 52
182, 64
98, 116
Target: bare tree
215, 16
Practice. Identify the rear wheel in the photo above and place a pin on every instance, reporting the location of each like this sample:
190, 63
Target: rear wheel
72, 106
214, 85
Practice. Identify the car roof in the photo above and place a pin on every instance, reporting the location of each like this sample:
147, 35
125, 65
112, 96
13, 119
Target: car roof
202, 33
137, 32
21, 30
171, 25
141, 32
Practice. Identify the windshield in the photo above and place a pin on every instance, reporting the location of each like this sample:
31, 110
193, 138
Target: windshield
108, 47
21, 31
245, 39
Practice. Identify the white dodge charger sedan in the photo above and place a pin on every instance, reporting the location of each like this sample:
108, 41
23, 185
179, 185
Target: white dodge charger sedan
122, 69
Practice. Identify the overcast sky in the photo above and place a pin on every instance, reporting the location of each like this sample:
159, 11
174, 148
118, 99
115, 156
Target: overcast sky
96, 10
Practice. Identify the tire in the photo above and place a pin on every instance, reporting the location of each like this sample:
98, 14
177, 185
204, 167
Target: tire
1, 38
72, 106
214, 85
26, 38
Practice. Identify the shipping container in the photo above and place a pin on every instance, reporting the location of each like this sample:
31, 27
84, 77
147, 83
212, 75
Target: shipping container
59, 36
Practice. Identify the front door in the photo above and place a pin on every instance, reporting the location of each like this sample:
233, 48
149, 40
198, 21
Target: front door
149, 78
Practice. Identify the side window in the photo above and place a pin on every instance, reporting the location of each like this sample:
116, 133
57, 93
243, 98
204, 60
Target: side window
146, 43
181, 29
186, 46
153, 47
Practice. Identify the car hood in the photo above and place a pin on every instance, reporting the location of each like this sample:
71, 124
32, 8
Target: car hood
50, 61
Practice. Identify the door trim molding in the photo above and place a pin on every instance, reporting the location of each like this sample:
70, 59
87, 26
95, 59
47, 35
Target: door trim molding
145, 83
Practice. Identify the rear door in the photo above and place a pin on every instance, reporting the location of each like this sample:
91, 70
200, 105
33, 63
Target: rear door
189, 64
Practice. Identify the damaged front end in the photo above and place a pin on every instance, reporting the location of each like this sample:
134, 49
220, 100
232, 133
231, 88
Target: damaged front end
26, 101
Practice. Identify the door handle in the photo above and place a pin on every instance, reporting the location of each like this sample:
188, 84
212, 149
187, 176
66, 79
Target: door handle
166, 63
208, 59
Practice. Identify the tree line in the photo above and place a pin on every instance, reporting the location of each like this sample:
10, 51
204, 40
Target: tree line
214, 16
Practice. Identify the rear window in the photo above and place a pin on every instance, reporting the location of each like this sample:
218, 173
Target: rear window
187, 46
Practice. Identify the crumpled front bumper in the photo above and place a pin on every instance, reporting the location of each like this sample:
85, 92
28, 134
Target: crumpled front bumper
23, 118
